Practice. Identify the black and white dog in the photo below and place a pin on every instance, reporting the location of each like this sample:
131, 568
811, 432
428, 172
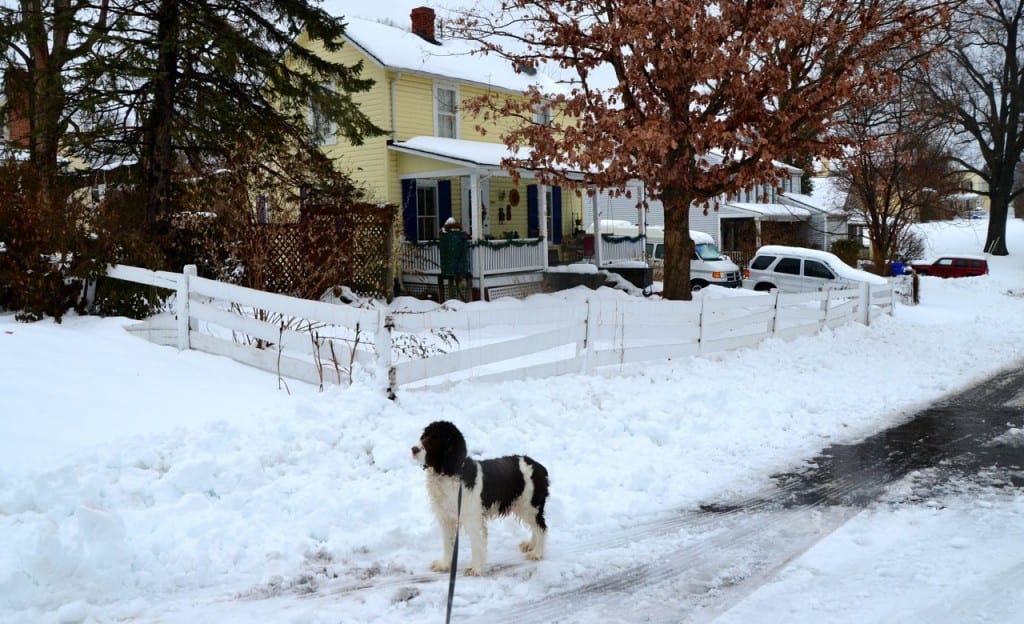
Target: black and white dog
513, 485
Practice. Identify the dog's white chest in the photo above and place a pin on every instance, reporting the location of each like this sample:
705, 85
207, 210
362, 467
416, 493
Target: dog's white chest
444, 494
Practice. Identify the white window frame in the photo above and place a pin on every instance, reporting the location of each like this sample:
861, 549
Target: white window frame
542, 114
453, 115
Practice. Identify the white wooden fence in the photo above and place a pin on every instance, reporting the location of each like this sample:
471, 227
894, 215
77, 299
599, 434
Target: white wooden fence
329, 343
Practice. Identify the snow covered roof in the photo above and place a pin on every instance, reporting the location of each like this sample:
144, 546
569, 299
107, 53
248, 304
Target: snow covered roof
825, 193
475, 154
772, 212
811, 202
395, 48
13, 153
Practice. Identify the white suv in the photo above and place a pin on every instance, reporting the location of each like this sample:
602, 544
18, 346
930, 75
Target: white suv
798, 269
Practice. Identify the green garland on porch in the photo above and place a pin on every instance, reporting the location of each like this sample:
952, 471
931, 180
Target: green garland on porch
621, 238
490, 244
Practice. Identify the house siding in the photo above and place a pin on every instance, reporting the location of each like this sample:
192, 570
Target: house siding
380, 170
368, 163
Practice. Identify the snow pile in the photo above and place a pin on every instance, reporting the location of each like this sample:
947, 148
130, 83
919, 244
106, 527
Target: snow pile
139, 483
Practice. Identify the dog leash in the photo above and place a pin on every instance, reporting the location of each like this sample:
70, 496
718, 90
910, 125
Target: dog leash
455, 556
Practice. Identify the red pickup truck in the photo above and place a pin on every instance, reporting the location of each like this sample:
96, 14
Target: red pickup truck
953, 266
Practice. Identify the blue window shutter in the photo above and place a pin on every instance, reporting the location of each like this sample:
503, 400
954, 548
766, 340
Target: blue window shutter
409, 209
444, 201
556, 214
532, 220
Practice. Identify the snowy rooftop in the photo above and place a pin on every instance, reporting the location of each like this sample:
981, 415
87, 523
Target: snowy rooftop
461, 151
776, 211
814, 203
396, 48
825, 192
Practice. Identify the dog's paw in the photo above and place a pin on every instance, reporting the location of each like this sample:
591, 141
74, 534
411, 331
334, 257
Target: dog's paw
533, 555
440, 566
472, 572
525, 546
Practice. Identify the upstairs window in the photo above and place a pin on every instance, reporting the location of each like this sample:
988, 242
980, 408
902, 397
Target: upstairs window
446, 112
542, 114
322, 131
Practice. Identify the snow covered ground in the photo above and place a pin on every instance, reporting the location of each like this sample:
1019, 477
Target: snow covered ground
140, 484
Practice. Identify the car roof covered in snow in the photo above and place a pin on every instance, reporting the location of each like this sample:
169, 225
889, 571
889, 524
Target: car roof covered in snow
839, 267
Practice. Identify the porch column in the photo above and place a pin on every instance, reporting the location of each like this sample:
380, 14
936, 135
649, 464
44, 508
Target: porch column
478, 227
542, 220
757, 232
597, 228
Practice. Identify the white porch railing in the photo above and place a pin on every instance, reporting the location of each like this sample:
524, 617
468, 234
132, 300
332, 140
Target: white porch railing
515, 256
619, 248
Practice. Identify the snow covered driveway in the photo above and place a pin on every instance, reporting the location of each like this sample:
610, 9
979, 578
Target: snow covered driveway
709, 562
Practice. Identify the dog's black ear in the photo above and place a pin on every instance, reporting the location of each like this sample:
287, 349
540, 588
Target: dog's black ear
455, 454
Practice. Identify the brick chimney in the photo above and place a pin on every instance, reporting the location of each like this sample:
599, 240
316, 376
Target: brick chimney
423, 23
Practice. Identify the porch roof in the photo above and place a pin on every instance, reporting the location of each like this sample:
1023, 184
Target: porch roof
770, 212
812, 203
469, 154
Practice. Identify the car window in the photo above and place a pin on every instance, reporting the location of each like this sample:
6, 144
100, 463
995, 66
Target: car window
790, 266
976, 264
709, 252
960, 262
762, 262
945, 262
813, 268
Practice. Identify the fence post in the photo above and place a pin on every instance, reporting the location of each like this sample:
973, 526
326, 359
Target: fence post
184, 342
773, 321
700, 327
382, 345
589, 332
824, 306
865, 303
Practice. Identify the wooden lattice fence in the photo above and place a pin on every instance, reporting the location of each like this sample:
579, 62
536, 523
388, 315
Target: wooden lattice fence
351, 247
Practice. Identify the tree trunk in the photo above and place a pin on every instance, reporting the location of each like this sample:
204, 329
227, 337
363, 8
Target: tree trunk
159, 159
42, 82
678, 244
995, 240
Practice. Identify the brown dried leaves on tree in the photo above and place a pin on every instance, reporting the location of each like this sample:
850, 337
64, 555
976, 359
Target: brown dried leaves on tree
694, 99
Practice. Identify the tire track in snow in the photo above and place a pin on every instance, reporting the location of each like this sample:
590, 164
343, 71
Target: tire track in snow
720, 570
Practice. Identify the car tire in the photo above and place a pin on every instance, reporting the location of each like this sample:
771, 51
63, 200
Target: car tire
764, 287
697, 285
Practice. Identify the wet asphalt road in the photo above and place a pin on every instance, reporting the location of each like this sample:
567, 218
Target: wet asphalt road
714, 556
955, 438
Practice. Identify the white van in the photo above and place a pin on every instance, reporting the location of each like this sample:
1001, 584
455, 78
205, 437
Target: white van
707, 265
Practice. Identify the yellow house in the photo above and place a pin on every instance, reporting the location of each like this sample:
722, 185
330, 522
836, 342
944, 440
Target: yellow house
437, 162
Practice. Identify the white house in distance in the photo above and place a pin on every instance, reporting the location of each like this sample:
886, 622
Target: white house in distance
742, 223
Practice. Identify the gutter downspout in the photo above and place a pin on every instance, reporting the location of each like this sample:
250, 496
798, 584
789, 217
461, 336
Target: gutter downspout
394, 106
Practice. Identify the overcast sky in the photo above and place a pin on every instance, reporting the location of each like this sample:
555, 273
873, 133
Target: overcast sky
396, 10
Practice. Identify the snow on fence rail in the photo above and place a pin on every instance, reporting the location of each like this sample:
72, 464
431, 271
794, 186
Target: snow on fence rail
322, 342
